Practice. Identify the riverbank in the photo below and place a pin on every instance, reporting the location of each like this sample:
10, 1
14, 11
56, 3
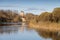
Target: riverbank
47, 26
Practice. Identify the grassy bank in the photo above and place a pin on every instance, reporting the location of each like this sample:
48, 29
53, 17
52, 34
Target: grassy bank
47, 26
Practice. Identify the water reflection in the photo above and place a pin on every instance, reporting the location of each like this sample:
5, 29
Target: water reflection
17, 32
48, 34
8, 29
24, 32
22, 27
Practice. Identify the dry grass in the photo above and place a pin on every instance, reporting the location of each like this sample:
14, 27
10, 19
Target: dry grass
46, 26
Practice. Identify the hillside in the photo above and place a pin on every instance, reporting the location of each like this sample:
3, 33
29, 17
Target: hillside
53, 16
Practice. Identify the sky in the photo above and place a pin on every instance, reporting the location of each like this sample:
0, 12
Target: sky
32, 6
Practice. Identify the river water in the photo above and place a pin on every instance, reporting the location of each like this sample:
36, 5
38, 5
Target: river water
23, 32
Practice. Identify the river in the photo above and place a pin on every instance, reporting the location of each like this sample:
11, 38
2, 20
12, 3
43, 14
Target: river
23, 32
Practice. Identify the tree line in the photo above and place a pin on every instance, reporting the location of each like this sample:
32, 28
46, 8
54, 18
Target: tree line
9, 16
53, 16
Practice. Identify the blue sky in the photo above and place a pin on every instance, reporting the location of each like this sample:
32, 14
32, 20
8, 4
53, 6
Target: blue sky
33, 6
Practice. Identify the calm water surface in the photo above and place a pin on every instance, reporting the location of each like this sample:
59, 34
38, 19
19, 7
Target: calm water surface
21, 32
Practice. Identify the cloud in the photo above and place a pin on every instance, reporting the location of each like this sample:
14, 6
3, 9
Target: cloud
35, 9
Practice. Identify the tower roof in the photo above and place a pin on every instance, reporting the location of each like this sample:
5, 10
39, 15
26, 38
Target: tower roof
22, 13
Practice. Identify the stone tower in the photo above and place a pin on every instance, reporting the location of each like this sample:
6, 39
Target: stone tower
22, 16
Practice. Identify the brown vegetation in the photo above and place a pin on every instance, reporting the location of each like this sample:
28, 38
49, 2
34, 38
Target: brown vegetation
54, 16
9, 16
46, 20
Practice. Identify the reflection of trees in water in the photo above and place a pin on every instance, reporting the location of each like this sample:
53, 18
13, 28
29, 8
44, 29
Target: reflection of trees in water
8, 29
12, 28
47, 34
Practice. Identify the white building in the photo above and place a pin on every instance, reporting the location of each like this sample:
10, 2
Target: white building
22, 16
